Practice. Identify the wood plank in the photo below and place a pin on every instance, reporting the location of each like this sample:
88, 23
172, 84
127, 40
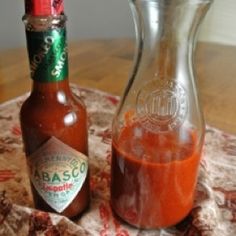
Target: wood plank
106, 65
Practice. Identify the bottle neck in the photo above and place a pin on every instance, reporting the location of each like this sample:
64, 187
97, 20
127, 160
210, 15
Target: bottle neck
47, 49
51, 89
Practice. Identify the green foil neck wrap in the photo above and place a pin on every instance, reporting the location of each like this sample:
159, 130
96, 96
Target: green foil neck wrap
48, 55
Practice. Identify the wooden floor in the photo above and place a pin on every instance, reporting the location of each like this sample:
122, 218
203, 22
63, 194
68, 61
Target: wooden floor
106, 64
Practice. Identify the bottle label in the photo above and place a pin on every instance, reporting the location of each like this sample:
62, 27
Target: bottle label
57, 172
48, 55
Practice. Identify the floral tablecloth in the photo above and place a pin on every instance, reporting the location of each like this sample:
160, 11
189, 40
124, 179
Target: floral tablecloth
214, 212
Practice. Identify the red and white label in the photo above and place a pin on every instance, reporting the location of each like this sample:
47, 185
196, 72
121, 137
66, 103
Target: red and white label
57, 172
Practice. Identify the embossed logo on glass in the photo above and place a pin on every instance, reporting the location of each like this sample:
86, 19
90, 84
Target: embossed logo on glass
162, 106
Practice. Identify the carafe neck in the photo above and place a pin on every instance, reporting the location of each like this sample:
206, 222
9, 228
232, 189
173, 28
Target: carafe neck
166, 30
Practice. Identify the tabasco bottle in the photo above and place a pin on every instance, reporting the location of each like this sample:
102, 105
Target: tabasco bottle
53, 120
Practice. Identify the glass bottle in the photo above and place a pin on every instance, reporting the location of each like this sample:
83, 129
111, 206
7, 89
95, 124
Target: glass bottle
53, 120
158, 130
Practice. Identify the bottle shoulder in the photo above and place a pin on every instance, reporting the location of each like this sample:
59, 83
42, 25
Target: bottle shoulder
61, 108
42, 118
58, 101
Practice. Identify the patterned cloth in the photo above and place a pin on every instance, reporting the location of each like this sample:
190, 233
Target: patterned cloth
214, 212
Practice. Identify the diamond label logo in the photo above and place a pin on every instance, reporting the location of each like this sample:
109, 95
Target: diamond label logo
57, 172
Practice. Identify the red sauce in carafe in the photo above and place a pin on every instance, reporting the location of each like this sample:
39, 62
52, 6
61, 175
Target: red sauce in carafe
153, 175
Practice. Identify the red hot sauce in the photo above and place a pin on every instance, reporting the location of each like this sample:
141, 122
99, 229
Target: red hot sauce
153, 176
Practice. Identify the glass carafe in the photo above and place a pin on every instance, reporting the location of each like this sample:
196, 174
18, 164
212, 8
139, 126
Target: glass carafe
158, 130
